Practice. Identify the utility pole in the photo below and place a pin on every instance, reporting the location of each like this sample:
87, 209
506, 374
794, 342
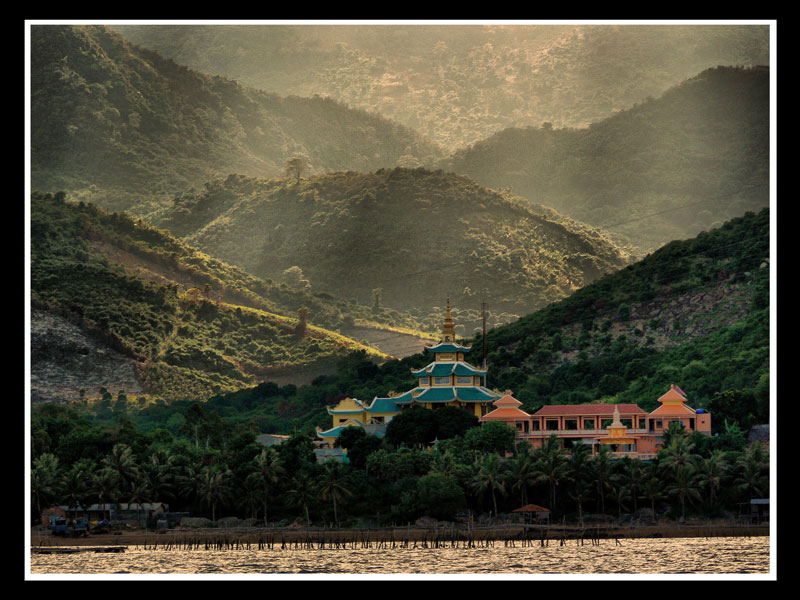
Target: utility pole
484, 310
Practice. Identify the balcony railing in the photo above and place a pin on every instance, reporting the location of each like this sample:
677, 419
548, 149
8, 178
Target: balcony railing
580, 432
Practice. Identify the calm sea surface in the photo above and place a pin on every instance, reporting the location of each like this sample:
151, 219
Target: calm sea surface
633, 556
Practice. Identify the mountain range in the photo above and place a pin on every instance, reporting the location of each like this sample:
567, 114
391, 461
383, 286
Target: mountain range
167, 227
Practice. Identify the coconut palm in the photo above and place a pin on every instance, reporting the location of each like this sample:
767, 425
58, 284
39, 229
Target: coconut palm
710, 473
157, 474
551, 466
685, 486
522, 473
578, 475
75, 484
601, 471
489, 474
44, 480
650, 486
268, 470
301, 493
753, 469
334, 478
138, 494
123, 462
214, 489
678, 453
250, 497
105, 485
630, 477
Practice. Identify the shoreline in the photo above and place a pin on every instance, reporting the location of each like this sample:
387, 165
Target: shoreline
244, 538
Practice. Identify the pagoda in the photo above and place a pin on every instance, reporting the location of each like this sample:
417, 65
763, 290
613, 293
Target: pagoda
449, 380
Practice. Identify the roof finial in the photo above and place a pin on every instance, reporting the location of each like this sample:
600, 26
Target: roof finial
448, 329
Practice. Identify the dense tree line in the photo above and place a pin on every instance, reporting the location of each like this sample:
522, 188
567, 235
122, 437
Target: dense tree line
212, 469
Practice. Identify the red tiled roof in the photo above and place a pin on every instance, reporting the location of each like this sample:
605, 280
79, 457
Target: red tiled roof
588, 409
674, 393
505, 413
507, 401
531, 508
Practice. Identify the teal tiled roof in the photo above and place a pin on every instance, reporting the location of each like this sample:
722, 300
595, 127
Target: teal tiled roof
447, 394
447, 347
383, 405
459, 368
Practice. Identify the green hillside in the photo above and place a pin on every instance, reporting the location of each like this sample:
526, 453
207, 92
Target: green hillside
127, 128
695, 314
458, 84
416, 236
107, 286
694, 158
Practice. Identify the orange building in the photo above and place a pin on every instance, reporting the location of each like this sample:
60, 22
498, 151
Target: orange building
626, 429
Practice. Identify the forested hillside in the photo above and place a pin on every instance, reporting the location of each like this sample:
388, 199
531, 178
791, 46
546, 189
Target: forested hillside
126, 128
695, 314
117, 302
458, 84
695, 157
407, 239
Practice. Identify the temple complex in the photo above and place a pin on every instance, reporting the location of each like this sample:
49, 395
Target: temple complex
624, 429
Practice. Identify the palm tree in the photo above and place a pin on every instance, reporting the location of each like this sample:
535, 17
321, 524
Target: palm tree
250, 499
678, 453
105, 485
190, 480
601, 470
157, 474
710, 473
489, 475
650, 486
551, 466
334, 478
522, 474
578, 472
301, 493
630, 477
214, 489
122, 461
75, 484
753, 468
684, 485
268, 470
44, 480
139, 493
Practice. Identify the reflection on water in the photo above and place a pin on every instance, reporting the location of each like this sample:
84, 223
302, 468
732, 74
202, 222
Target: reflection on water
633, 556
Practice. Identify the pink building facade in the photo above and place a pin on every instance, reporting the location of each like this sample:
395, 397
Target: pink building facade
625, 429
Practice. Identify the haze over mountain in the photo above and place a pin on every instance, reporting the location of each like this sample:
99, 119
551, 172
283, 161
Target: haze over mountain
420, 236
665, 169
458, 84
126, 129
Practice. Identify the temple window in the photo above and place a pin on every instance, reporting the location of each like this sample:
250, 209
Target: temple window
534, 425
441, 380
424, 381
467, 380
551, 425
588, 423
605, 423
627, 422
571, 424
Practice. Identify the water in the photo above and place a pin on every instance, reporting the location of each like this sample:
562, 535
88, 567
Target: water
677, 556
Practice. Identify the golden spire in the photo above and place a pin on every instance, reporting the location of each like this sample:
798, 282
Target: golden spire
448, 329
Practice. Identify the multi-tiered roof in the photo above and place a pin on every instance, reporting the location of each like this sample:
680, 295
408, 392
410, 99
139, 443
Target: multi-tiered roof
449, 379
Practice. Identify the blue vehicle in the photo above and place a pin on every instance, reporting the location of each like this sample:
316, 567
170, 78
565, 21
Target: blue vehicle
64, 527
